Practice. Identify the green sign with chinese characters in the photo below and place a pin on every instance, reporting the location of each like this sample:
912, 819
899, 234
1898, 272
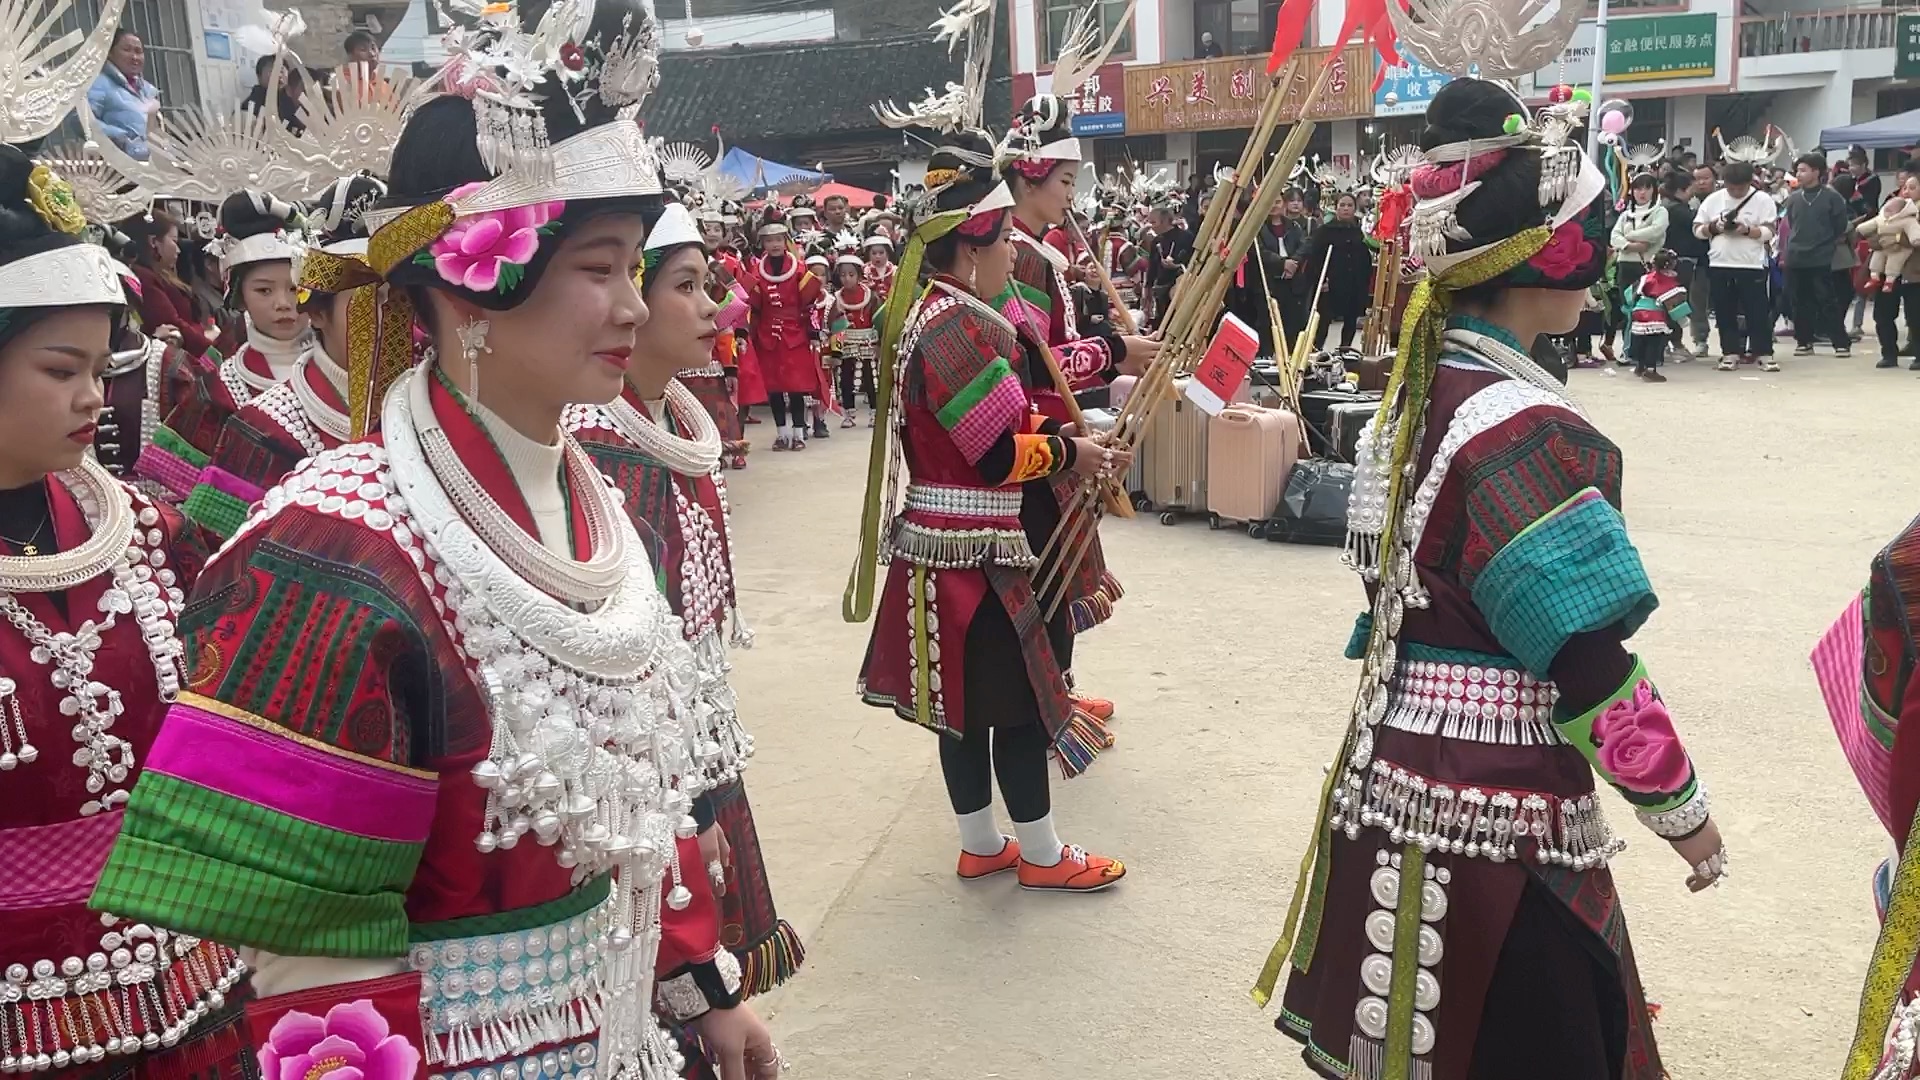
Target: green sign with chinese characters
1662, 47
1906, 46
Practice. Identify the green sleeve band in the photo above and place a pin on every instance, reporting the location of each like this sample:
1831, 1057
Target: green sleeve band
215, 511
215, 866
1630, 741
974, 392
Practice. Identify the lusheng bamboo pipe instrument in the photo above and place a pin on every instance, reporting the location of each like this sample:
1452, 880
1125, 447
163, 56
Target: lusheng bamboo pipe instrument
1196, 300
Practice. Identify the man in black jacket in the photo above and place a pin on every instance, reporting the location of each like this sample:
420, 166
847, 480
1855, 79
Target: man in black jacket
1166, 259
1817, 223
1692, 254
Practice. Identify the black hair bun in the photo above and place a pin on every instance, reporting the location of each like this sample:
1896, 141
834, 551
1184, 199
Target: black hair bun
23, 231
1047, 117
1508, 200
255, 213
339, 212
959, 155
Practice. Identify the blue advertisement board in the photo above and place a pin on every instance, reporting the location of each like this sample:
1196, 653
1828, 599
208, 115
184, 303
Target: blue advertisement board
1406, 90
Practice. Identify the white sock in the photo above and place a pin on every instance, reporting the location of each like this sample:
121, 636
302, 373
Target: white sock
1039, 844
978, 833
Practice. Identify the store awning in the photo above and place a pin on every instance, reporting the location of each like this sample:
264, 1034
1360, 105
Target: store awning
762, 174
1886, 133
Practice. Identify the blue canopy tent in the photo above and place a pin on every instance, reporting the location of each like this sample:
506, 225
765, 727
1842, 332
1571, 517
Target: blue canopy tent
762, 174
1886, 133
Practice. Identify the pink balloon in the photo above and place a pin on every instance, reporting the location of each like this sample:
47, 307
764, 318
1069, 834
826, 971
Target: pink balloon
1613, 123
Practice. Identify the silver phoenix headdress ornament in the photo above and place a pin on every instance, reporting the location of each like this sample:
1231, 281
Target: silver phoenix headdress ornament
968, 23
1042, 132
1750, 150
352, 123
41, 77
1335, 180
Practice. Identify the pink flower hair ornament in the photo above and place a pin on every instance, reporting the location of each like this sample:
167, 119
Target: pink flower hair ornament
489, 252
352, 1042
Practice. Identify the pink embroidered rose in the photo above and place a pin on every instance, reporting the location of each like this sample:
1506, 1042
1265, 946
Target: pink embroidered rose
490, 251
353, 1042
1638, 746
1567, 250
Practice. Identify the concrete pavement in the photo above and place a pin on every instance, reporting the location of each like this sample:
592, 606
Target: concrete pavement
1756, 501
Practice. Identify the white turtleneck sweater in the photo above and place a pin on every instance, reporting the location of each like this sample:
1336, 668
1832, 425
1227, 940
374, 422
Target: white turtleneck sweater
536, 470
281, 356
335, 375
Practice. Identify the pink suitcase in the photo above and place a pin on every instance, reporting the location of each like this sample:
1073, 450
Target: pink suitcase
1118, 390
1250, 451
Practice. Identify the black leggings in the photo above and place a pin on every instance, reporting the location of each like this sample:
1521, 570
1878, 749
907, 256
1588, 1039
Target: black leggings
1018, 756
781, 402
847, 364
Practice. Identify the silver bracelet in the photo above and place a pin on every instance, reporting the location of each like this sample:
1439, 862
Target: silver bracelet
1682, 820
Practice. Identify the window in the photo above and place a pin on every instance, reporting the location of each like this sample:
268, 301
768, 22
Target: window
1059, 13
1234, 24
166, 32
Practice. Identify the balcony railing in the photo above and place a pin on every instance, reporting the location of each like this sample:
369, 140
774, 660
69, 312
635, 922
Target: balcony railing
1817, 31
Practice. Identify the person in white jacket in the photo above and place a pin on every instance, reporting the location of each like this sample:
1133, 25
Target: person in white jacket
1638, 232
1738, 222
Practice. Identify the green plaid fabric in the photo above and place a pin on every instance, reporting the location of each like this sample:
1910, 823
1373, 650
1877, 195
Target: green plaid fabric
215, 510
195, 860
1572, 571
169, 440
578, 902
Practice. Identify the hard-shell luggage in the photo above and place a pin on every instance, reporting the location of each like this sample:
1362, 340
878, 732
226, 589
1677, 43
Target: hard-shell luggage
1250, 451
1313, 509
1172, 457
1118, 389
1345, 422
1335, 419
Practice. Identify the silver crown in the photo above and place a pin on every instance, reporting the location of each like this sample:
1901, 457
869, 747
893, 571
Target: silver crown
37, 87
105, 196
1494, 39
205, 156
1752, 151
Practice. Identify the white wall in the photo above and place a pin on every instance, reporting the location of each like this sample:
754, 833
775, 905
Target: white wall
1687, 120
1346, 140
1180, 149
1171, 41
1328, 15
1025, 47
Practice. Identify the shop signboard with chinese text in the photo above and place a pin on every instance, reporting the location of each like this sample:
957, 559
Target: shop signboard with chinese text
1407, 88
1212, 95
1098, 106
1906, 46
1662, 47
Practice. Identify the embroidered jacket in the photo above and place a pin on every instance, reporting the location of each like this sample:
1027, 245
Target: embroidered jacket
338, 784
69, 768
261, 442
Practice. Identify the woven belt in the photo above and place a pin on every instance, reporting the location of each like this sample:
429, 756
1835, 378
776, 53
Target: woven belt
965, 502
1477, 703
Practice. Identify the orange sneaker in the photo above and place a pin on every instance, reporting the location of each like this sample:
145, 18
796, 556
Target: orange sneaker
978, 866
1077, 871
1099, 708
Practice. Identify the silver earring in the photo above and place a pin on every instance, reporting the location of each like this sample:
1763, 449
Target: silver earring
473, 342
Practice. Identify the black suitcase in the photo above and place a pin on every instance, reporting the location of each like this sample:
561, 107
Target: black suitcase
1317, 412
1313, 509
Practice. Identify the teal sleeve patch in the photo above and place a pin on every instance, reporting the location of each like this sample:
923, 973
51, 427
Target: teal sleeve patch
1570, 572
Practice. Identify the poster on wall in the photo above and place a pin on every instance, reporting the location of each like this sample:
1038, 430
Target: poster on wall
1098, 106
1406, 88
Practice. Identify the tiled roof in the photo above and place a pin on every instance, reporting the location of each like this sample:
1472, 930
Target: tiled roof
789, 91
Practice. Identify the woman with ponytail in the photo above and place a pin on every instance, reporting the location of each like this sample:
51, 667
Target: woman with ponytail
1460, 921
92, 576
959, 644
438, 753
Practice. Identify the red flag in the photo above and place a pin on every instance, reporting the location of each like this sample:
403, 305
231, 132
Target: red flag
1370, 18
1289, 27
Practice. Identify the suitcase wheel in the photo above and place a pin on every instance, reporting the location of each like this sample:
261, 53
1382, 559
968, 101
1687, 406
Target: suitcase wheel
1168, 517
1257, 530
1213, 521
1141, 502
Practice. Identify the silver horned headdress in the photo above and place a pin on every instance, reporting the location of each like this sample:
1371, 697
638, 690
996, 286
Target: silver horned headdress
968, 24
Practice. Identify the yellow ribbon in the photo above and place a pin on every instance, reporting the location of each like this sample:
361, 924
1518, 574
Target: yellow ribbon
1893, 958
856, 606
380, 320
1422, 324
